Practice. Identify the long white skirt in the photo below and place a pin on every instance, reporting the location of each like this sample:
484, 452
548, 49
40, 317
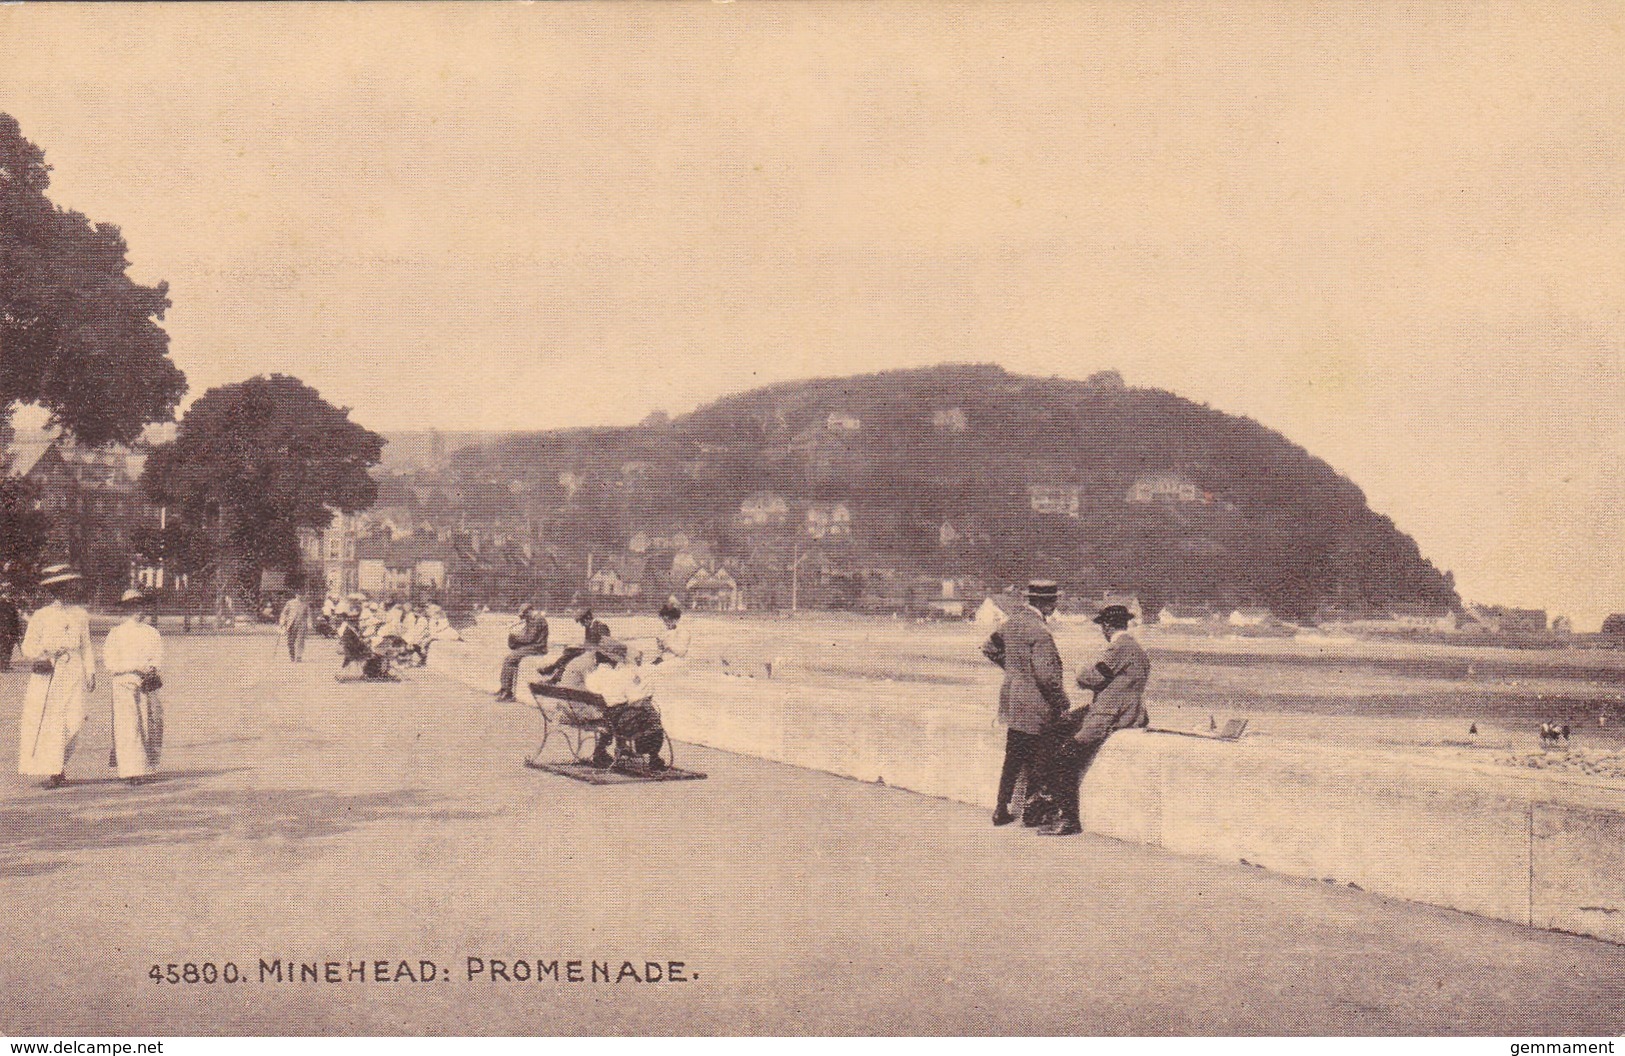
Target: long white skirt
53, 715
138, 728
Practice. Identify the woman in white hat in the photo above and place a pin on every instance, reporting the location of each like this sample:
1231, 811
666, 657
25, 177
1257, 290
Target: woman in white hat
132, 654
57, 646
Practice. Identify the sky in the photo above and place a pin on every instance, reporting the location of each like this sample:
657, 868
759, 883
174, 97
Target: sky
1392, 232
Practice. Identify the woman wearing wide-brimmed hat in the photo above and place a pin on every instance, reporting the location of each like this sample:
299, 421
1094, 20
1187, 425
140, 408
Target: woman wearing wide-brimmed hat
132, 654
57, 646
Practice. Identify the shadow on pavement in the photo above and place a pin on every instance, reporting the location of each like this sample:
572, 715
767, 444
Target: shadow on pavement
38, 836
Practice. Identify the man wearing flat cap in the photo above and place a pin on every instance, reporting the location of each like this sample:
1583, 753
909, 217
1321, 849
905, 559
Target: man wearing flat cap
1118, 684
1033, 695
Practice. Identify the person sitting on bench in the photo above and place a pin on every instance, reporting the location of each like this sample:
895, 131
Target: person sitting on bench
626, 707
528, 637
353, 649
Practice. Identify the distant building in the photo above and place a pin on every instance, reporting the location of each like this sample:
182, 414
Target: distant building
1251, 617
832, 521
763, 509
329, 554
608, 583
90, 500
1163, 487
841, 422
949, 420
1501, 619
715, 590
1176, 615
1399, 619
1056, 499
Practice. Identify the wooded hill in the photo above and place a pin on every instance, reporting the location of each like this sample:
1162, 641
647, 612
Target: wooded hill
962, 471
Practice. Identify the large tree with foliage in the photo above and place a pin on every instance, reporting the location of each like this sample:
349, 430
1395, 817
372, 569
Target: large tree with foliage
252, 463
77, 335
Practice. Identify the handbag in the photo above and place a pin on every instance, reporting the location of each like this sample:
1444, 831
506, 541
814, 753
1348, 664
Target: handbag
44, 667
151, 683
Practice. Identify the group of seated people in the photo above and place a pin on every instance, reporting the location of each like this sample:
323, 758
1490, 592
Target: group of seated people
375, 636
606, 667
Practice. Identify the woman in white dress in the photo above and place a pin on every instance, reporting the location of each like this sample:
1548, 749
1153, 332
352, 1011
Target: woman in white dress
57, 646
132, 654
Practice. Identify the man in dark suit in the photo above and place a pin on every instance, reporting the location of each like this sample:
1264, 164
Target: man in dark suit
527, 638
1033, 695
11, 629
1118, 685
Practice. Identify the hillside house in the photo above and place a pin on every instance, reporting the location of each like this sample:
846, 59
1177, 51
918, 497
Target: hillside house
609, 583
1163, 487
949, 420
410, 568
1064, 500
762, 510
841, 422
832, 522
714, 590
1251, 617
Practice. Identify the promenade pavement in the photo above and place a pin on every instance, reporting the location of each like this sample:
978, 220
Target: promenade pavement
304, 821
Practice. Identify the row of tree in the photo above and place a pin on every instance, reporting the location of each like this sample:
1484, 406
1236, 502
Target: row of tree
250, 464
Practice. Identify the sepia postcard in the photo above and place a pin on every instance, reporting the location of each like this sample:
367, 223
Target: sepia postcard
874, 519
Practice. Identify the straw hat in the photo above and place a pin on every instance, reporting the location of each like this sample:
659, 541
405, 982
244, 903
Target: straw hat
54, 575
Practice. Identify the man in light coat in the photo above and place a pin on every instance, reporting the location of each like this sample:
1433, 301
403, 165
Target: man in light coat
295, 625
132, 654
1033, 695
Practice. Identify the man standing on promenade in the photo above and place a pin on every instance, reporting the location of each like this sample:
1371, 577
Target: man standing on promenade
295, 624
1118, 683
1033, 695
527, 638
11, 627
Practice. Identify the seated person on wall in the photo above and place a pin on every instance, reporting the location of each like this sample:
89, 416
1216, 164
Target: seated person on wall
354, 650
528, 637
673, 643
1118, 683
592, 632
627, 708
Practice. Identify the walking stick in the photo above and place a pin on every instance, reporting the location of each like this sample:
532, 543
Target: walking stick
44, 706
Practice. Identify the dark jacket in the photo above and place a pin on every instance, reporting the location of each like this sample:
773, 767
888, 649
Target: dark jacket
1034, 692
532, 636
1118, 682
11, 621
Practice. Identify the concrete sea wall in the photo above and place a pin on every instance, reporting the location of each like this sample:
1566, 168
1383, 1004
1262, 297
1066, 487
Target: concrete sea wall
1533, 848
